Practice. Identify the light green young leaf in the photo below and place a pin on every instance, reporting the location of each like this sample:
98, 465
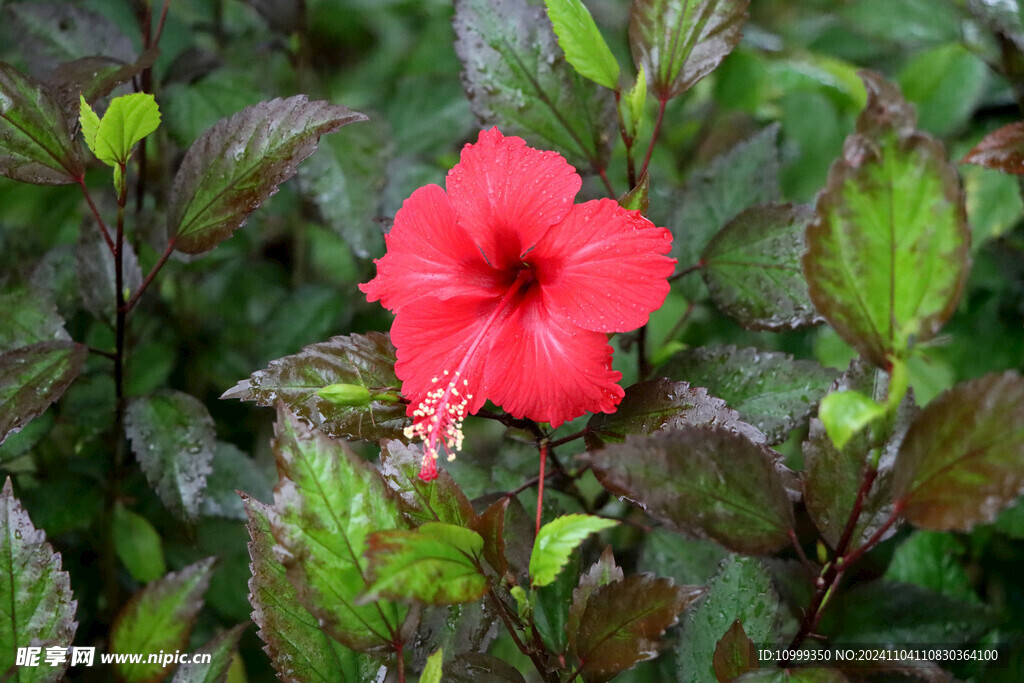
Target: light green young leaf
128, 120
585, 48
90, 123
432, 670
635, 99
844, 413
556, 541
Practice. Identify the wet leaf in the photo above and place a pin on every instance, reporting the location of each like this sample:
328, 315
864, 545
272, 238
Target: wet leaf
138, 545
735, 654
93, 77
678, 42
326, 504
753, 272
687, 560
32, 377
57, 32
517, 78
770, 390
477, 666
36, 603
362, 360
744, 176
239, 163
94, 269
440, 500
173, 438
36, 145
557, 540
705, 481
437, 564
793, 676
740, 591
582, 42
962, 460
887, 253
659, 405
159, 618
935, 561
221, 649
457, 629
299, 649
491, 527
233, 471
601, 573
27, 316
624, 620
1002, 149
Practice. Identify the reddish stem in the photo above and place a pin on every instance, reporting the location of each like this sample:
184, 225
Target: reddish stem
130, 304
96, 215
543, 448
662, 102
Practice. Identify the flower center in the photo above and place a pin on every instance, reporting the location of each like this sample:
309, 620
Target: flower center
438, 418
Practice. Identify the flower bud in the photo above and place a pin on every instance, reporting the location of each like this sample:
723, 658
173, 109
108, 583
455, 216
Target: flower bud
345, 394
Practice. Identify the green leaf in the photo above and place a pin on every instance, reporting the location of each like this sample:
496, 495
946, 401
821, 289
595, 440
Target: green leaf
659, 405
740, 591
624, 620
1002, 149
770, 390
90, 123
735, 654
549, 606
221, 650
705, 481
844, 413
582, 42
945, 84
299, 649
36, 145
678, 42
490, 524
432, 671
935, 561
744, 176
638, 198
173, 438
52, 33
437, 564
601, 573
240, 162
752, 268
233, 470
159, 618
887, 253
32, 377
477, 666
962, 460
516, 77
634, 100
138, 545
687, 560
361, 360
327, 502
440, 500
556, 542
457, 629
27, 316
127, 121
793, 676
36, 603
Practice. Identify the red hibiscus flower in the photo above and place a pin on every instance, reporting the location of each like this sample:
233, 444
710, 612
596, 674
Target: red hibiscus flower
504, 289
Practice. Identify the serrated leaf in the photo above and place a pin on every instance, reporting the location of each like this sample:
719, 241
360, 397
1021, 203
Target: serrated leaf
962, 460
173, 438
832, 477
36, 145
516, 77
753, 272
138, 545
744, 176
601, 573
159, 617
735, 654
221, 649
678, 42
887, 252
582, 42
548, 606
89, 122
437, 564
36, 603
635, 99
27, 316
94, 270
741, 590
299, 649
705, 481
326, 504
440, 500
240, 162
557, 540
32, 377
659, 405
770, 390
93, 77
1002, 149
362, 360
624, 620
127, 121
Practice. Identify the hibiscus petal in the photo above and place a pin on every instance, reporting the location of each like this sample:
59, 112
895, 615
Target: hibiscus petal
429, 255
507, 195
603, 267
544, 367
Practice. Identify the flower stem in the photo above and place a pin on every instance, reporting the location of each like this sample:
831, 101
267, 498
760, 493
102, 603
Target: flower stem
542, 446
